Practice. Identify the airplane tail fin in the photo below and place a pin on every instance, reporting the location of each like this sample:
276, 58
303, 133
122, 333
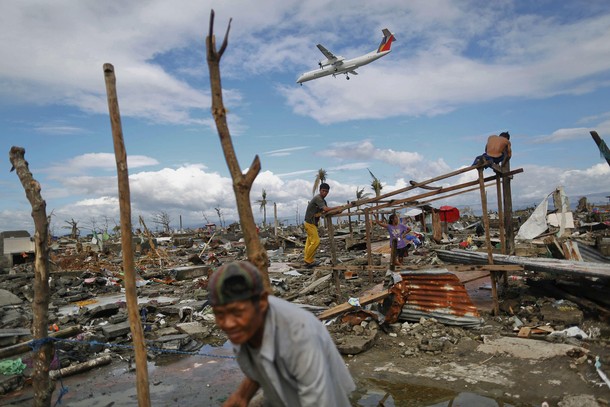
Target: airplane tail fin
386, 42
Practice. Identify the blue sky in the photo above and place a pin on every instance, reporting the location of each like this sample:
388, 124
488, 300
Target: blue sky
458, 72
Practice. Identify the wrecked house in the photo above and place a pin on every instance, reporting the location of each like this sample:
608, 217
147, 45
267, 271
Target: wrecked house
17, 247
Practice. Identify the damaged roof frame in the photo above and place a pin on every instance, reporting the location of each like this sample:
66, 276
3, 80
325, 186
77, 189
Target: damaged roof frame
502, 180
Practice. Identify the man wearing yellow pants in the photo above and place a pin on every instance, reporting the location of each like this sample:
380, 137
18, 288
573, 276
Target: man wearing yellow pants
317, 206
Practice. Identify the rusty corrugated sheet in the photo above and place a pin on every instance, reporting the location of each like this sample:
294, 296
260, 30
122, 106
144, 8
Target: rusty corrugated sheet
439, 294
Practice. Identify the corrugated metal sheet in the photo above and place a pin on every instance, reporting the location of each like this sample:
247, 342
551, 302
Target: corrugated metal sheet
439, 294
591, 254
530, 263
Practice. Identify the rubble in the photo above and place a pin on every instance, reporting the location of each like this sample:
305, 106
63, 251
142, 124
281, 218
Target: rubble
87, 296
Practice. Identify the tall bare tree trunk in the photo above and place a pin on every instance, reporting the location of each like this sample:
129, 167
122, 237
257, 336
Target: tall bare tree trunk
133, 313
43, 387
242, 183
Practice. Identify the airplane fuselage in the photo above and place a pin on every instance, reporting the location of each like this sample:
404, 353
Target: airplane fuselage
345, 67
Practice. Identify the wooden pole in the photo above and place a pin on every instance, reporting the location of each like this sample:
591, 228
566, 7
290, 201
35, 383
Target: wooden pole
369, 253
349, 220
43, 387
331, 237
490, 257
275, 223
501, 215
133, 313
600, 144
328, 221
392, 254
502, 228
81, 367
508, 208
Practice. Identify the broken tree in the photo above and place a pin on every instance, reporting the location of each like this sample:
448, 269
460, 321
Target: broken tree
242, 183
43, 387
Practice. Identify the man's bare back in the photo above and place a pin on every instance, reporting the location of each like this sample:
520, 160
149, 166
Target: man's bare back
496, 146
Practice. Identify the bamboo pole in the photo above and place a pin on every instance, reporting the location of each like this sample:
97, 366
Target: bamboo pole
43, 387
126, 239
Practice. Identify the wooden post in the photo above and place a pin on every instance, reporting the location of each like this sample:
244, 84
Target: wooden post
349, 219
600, 144
501, 215
369, 253
508, 209
133, 313
43, 387
275, 223
490, 258
423, 221
331, 237
393, 244
328, 220
502, 228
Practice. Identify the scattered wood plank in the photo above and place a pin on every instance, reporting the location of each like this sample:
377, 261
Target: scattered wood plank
80, 367
346, 306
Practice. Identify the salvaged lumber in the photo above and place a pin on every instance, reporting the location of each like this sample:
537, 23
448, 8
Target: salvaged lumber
346, 306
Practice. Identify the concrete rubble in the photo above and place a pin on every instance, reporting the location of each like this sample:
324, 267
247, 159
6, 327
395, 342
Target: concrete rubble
87, 295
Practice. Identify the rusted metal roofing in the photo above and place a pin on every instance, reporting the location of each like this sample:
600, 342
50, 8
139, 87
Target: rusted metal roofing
437, 293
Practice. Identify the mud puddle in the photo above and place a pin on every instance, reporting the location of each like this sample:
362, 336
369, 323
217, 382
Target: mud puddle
377, 393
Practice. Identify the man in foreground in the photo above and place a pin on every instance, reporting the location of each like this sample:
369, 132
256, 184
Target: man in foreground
280, 347
315, 209
497, 149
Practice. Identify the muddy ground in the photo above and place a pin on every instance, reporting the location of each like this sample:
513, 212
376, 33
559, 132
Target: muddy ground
413, 363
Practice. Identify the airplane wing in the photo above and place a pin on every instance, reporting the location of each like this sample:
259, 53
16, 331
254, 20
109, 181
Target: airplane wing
353, 72
329, 55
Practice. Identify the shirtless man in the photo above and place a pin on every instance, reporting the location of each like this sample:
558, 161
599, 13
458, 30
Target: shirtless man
497, 149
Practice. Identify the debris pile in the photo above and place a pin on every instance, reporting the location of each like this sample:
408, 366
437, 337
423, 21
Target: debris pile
435, 317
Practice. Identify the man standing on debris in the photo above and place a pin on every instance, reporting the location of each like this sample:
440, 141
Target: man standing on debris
315, 209
280, 347
497, 149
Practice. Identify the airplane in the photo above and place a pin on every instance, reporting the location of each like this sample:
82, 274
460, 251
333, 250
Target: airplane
336, 65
